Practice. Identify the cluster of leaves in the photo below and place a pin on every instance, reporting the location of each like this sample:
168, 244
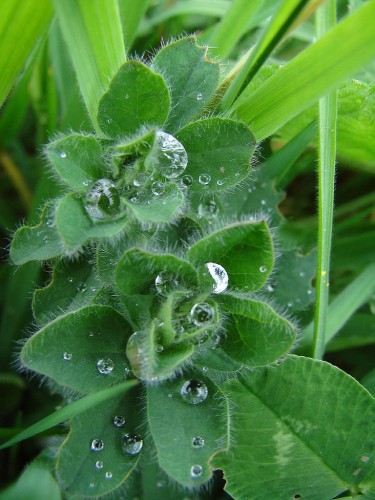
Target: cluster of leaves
156, 275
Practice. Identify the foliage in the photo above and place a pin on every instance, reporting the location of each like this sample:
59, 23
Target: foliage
175, 322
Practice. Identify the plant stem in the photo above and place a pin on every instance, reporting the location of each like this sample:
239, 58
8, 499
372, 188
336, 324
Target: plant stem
325, 20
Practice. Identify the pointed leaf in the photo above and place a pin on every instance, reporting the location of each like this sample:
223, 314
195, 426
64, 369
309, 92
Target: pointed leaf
137, 96
256, 334
308, 426
191, 76
69, 349
137, 270
78, 159
219, 153
94, 473
244, 249
178, 428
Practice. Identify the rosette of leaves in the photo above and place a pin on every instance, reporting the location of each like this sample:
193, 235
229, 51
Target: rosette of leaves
153, 154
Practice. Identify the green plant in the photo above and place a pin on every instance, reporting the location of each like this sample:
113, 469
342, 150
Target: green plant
166, 325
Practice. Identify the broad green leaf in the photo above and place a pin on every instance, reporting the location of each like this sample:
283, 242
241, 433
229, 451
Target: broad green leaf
310, 75
93, 34
302, 428
75, 226
148, 207
219, 153
176, 425
73, 285
81, 350
35, 483
137, 270
21, 25
191, 76
73, 409
94, 473
136, 97
41, 242
256, 334
244, 249
78, 159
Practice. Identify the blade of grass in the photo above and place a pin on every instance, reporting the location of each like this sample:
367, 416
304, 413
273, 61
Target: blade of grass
131, 16
326, 18
286, 17
232, 26
342, 307
70, 411
93, 34
21, 25
317, 70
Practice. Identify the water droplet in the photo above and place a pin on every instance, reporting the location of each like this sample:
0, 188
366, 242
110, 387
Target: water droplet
196, 471
97, 445
205, 369
70, 280
220, 182
194, 391
102, 200
179, 329
62, 154
139, 180
262, 269
45, 239
108, 475
270, 288
119, 421
290, 304
263, 202
199, 96
170, 395
99, 465
160, 484
201, 314
187, 180
134, 199
132, 444
302, 274
67, 356
197, 442
91, 334
309, 292
172, 157
85, 183
158, 188
208, 209
204, 179
81, 287
105, 366
159, 348
165, 283
219, 275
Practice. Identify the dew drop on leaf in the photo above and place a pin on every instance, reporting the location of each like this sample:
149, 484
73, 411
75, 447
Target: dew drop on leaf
219, 275
196, 471
172, 157
187, 180
97, 445
158, 188
204, 179
81, 287
105, 366
194, 391
119, 421
199, 96
262, 269
102, 200
132, 444
197, 442
108, 475
201, 314
165, 283
159, 348
67, 356
99, 465
62, 154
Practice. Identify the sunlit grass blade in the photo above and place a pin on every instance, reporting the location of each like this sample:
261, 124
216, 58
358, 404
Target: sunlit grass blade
21, 24
70, 411
313, 73
326, 18
232, 26
288, 15
93, 34
342, 307
131, 15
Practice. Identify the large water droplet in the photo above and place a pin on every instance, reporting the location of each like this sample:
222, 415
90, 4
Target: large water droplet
197, 442
103, 199
67, 356
132, 444
105, 366
194, 391
119, 421
165, 283
99, 465
97, 445
219, 275
201, 314
158, 188
172, 157
204, 179
196, 471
